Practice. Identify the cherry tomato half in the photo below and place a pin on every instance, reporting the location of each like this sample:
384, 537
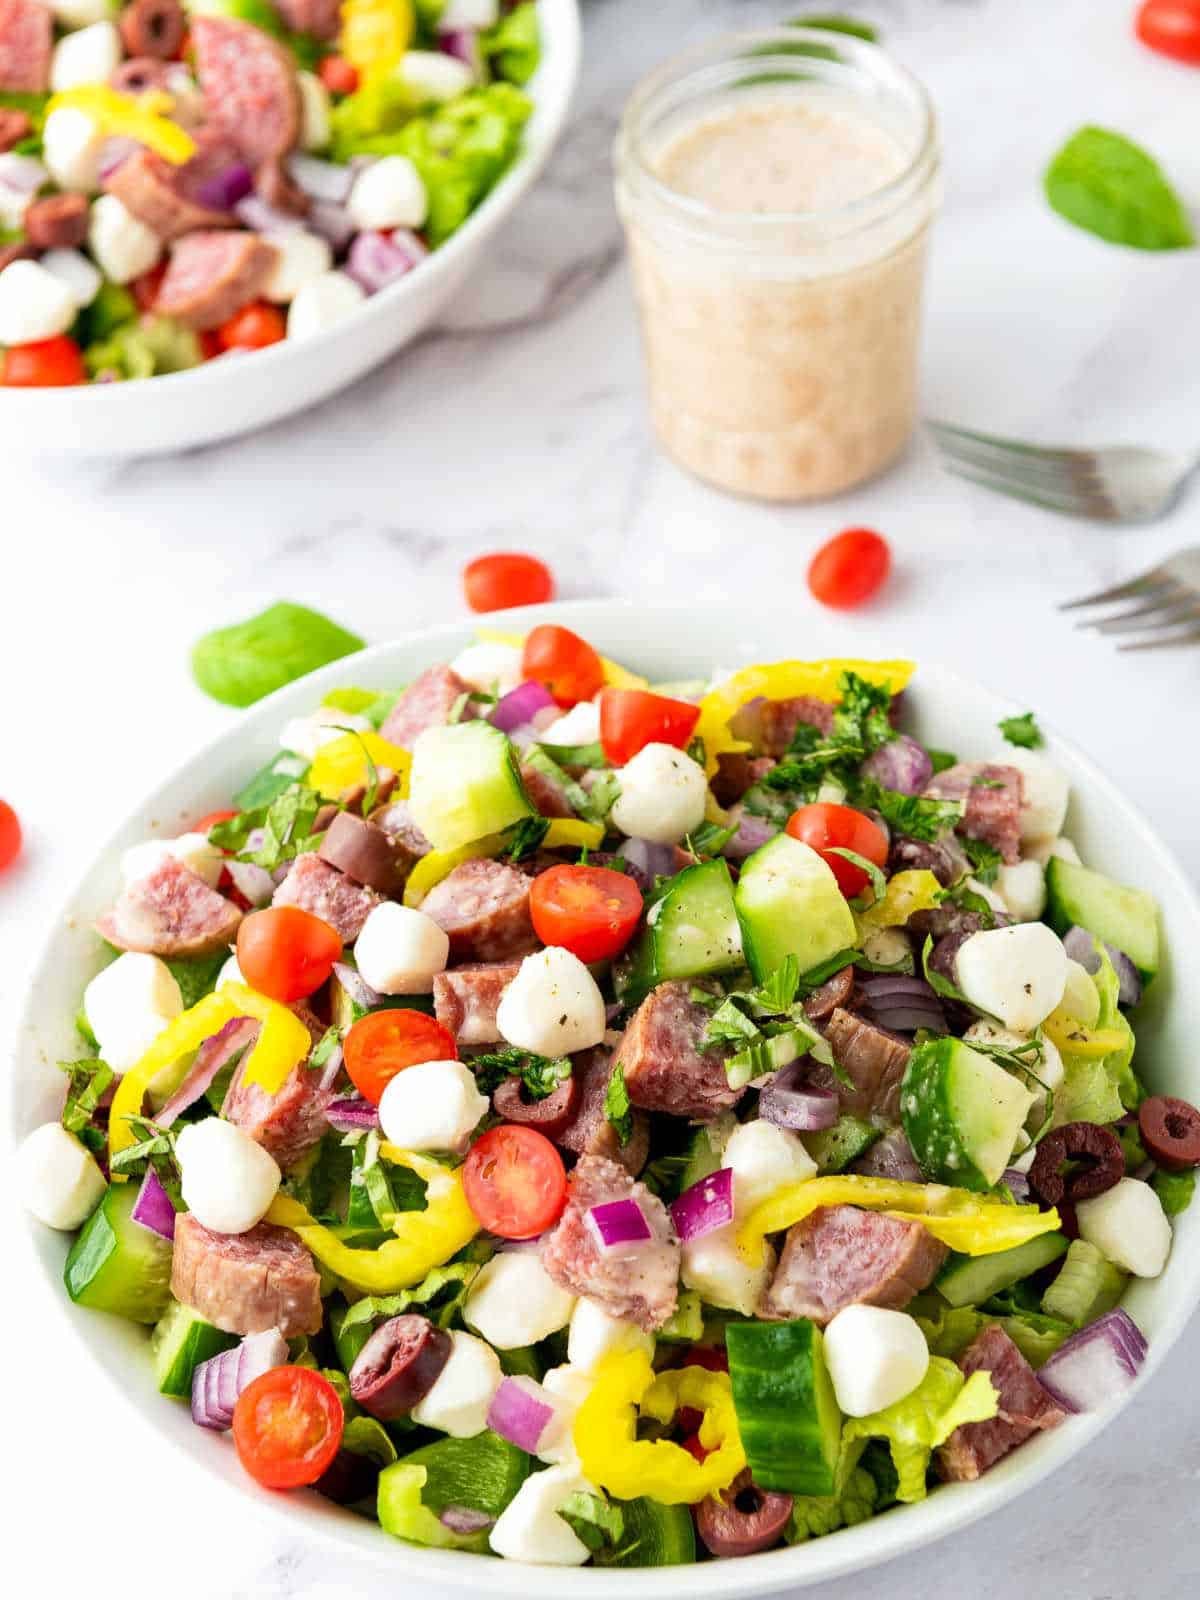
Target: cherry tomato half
849, 568
286, 953
713, 1358
337, 74
514, 1181
1172, 27
493, 583
254, 327
590, 911
144, 289
630, 719
287, 1426
44, 364
383, 1043
565, 663
829, 828
210, 820
10, 835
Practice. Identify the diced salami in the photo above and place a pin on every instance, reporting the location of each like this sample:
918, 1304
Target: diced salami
890, 1157
548, 797
319, 18
589, 1132
426, 703
993, 796
396, 818
26, 45
736, 772
665, 1068
484, 907
249, 85
770, 725
211, 275
287, 1123
366, 853
313, 885
57, 222
246, 1282
840, 1256
168, 198
466, 999
944, 858
1026, 1408
873, 1058
639, 1285
170, 912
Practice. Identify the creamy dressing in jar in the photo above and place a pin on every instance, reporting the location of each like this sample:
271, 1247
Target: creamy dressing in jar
776, 223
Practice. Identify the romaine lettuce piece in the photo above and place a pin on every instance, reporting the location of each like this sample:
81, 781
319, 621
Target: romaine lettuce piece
513, 46
815, 1515
143, 348
915, 1426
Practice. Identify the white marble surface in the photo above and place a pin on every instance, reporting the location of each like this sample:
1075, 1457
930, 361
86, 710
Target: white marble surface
522, 423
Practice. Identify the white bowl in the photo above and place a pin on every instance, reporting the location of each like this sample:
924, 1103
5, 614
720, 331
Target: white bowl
238, 393
949, 712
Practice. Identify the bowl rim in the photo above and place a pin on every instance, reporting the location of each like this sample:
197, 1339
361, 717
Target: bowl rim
557, 74
849, 1550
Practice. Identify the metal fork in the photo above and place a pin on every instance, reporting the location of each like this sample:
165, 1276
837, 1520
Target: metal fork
1168, 608
1122, 483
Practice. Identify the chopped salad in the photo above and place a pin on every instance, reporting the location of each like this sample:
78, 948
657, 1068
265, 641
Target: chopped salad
180, 181
581, 1121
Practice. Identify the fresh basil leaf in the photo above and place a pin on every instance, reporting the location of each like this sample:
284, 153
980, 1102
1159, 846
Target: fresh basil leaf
961, 895
942, 759
875, 877
153, 1147
617, 1106
709, 839
1108, 185
1022, 731
816, 976
576, 755
440, 1295
87, 1083
329, 1041
985, 859
197, 976
240, 664
286, 824
836, 23
524, 837
916, 816
540, 1075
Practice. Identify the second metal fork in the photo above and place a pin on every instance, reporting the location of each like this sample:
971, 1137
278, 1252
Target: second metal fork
1166, 608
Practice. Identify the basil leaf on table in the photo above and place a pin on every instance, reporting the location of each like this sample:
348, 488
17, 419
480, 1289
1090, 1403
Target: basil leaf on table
1105, 183
240, 664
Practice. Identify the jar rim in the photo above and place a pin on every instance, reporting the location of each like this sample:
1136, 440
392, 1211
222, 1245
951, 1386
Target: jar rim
693, 66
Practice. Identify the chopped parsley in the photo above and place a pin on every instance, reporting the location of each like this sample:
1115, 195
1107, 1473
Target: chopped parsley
765, 1028
914, 815
1022, 731
985, 859
286, 824
86, 1086
540, 1075
617, 1105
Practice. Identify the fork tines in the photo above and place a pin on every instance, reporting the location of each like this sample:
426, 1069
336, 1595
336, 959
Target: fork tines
1167, 608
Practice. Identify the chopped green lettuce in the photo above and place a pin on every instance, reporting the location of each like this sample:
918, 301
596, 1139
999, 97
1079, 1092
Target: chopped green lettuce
815, 1515
440, 1294
513, 46
1101, 1089
915, 1426
143, 348
1174, 1190
951, 1329
1085, 1287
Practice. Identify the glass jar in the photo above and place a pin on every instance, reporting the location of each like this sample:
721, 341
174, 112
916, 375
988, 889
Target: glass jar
777, 190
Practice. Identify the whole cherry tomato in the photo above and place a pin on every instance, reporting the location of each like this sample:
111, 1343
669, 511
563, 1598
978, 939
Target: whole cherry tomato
1172, 27
254, 327
144, 289
828, 828
565, 663
383, 1043
591, 911
494, 583
44, 364
10, 835
286, 953
287, 1427
850, 568
630, 719
514, 1181
337, 74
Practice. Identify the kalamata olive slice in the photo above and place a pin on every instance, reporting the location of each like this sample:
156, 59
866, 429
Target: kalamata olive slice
1093, 1158
834, 992
549, 1116
398, 1365
1170, 1130
365, 853
743, 1519
348, 1478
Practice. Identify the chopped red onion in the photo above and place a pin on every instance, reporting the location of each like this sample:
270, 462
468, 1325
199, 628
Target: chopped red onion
356, 986
374, 261
217, 1382
1080, 945
153, 1207
352, 1114
255, 883
333, 222
519, 705
254, 211
704, 1207
901, 764
22, 174
646, 859
1096, 1364
237, 1035
890, 1157
463, 45
620, 1224
320, 180
903, 1003
789, 1101
519, 1414
224, 189
465, 1519
1017, 1184
411, 243
752, 833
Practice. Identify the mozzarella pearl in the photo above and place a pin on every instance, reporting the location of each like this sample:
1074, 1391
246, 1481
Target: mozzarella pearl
128, 1005
1017, 974
1128, 1225
514, 1301
580, 725
1046, 792
322, 303
300, 257
435, 1105
1022, 887
58, 1178
1045, 848
192, 849
593, 1334
568, 1388
491, 668
530, 1529
459, 1401
79, 13
306, 735
229, 1181
553, 1006
315, 128
122, 246
430, 75
468, 14
388, 194
714, 1267
34, 304
663, 794
89, 55
875, 1358
764, 1159
400, 950
71, 146
74, 269
1081, 998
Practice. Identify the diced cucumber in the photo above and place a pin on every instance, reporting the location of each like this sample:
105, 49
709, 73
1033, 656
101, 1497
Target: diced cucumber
962, 1113
691, 932
465, 783
180, 1342
482, 1473
970, 1280
703, 1158
1126, 918
833, 1149
270, 781
522, 1362
788, 903
655, 1536
117, 1265
787, 1413
686, 1323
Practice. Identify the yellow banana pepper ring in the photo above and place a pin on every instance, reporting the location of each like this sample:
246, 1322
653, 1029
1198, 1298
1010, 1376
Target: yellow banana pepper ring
141, 117
972, 1224
563, 833
1073, 1038
375, 34
781, 680
424, 1239
611, 1454
342, 763
283, 1043
906, 892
